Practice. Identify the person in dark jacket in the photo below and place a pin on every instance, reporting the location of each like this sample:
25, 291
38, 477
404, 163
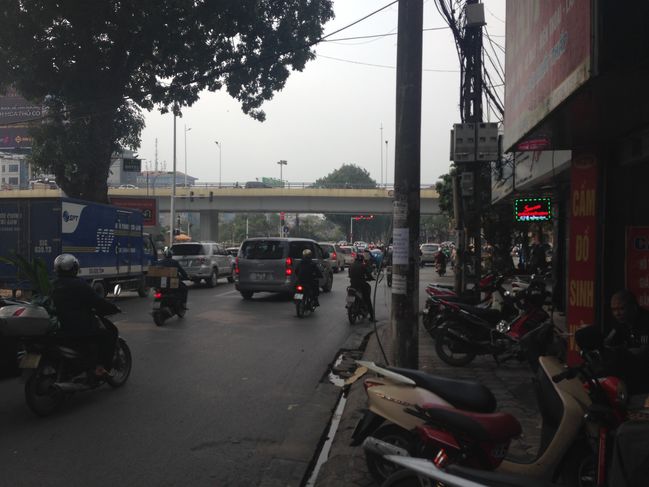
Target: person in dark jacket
77, 306
629, 337
169, 261
359, 273
308, 275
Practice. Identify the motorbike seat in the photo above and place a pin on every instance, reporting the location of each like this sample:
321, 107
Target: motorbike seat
462, 394
488, 314
491, 427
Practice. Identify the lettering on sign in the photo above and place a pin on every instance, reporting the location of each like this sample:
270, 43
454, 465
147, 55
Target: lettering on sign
582, 246
582, 293
583, 202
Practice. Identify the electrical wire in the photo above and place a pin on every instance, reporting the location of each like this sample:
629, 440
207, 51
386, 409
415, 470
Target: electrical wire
379, 35
383, 65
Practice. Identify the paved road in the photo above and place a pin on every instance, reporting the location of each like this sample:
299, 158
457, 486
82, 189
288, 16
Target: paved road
234, 394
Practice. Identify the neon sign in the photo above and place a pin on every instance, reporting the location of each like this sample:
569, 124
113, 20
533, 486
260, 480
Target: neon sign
532, 209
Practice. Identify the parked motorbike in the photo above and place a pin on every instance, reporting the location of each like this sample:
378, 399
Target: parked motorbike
466, 333
304, 302
356, 307
167, 302
396, 389
580, 407
499, 304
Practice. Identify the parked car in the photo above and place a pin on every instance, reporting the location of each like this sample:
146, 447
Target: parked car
335, 255
268, 265
204, 260
349, 254
427, 253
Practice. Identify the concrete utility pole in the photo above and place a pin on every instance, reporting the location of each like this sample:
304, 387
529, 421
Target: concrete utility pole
407, 175
467, 197
172, 206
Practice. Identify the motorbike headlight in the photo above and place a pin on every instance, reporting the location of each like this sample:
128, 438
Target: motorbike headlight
503, 326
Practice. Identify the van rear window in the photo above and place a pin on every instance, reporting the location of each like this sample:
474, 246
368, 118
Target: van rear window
295, 249
262, 249
187, 249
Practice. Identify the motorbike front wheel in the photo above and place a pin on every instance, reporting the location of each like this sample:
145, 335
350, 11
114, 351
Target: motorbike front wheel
122, 364
450, 348
41, 395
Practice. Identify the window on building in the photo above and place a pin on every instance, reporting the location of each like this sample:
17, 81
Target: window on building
13, 181
3, 168
13, 168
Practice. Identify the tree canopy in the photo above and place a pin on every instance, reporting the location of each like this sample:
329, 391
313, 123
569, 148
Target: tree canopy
347, 176
96, 65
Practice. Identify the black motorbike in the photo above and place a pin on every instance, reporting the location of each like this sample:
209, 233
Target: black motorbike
56, 368
356, 307
304, 302
167, 302
465, 333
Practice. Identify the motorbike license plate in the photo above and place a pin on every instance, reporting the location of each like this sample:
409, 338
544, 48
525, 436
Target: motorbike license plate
298, 296
350, 299
30, 361
156, 305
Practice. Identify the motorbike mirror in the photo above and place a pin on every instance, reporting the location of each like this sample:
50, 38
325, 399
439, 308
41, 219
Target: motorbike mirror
117, 290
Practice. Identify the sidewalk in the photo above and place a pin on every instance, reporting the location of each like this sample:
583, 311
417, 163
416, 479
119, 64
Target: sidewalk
510, 383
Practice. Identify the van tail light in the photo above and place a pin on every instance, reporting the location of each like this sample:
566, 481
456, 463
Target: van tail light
236, 265
353, 255
333, 256
289, 269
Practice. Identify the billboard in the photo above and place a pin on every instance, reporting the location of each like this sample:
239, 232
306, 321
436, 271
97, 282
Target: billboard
532, 209
15, 115
146, 205
547, 59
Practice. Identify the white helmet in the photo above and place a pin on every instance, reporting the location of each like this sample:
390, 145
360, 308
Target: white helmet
66, 265
306, 254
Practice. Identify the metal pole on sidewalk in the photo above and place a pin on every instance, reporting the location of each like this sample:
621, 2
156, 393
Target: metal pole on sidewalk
407, 175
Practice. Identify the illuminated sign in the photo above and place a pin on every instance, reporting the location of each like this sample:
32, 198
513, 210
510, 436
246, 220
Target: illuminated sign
532, 209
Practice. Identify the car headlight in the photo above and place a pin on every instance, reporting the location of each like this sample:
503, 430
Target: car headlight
503, 327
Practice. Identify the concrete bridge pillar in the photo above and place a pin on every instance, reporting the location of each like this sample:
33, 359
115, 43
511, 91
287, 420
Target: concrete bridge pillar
209, 221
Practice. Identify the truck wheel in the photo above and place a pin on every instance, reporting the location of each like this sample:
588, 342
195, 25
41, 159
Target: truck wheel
143, 290
246, 294
213, 280
99, 288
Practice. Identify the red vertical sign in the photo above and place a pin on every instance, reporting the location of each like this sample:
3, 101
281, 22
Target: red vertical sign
582, 259
637, 263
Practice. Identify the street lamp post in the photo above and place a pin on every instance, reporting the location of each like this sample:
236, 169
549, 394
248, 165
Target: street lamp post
281, 163
172, 206
186, 130
351, 231
219, 145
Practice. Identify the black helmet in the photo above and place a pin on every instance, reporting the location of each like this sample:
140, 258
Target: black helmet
66, 265
360, 256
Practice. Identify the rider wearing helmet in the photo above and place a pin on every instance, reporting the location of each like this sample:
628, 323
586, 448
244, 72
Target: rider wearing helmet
169, 261
359, 273
77, 306
308, 274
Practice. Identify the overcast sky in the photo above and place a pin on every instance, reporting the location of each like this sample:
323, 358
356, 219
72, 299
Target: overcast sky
329, 114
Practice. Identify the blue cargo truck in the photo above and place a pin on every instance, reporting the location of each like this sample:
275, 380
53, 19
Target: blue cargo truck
108, 241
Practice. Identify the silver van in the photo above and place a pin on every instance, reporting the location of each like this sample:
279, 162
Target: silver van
204, 260
268, 264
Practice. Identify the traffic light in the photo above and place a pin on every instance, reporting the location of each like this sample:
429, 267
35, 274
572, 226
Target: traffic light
191, 196
211, 196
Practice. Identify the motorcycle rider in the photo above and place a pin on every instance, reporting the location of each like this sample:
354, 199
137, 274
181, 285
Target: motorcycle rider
308, 274
77, 305
359, 273
440, 261
169, 261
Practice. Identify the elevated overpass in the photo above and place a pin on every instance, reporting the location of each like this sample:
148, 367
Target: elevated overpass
209, 201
